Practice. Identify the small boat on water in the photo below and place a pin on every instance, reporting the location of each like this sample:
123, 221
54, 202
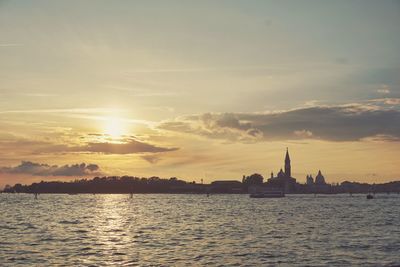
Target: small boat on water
370, 196
271, 194
264, 192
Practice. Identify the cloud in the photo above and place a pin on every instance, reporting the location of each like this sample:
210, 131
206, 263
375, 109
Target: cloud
63, 111
128, 146
334, 123
38, 169
206, 69
91, 143
382, 138
10, 45
131, 147
386, 101
303, 133
153, 159
219, 126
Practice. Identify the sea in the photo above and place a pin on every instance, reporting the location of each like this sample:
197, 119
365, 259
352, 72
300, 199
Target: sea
196, 230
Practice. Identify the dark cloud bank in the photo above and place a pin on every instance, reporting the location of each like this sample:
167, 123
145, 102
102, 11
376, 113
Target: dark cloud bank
334, 123
133, 146
37, 169
129, 146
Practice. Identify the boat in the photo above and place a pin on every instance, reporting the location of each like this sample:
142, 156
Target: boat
370, 196
271, 194
263, 192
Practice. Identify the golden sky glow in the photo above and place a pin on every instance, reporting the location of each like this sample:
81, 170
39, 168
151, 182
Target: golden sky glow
114, 127
199, 90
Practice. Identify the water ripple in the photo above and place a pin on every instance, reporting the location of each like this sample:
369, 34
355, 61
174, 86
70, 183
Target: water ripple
193, 230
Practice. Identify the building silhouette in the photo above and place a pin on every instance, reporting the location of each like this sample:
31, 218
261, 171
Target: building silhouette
318, 185
320, 179
284, 179
288, 171
309, 180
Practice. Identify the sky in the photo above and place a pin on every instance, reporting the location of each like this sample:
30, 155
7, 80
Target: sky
208, 90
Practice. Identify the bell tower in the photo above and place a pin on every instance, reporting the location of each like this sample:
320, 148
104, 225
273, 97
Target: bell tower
288, 172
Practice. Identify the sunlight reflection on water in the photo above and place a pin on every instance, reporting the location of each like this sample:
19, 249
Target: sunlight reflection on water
84, 230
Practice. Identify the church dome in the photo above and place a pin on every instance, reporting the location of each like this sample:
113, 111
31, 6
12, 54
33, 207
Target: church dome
320, 179
281, 174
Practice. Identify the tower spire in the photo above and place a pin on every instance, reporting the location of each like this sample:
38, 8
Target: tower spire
288, 171
287, 158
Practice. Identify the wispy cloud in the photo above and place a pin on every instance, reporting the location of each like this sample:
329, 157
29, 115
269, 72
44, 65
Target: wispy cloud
129, 146
37, 94
222, 68
152, 159
10, 44
144, 92
64, 110
393, 102
98, 114
210, 69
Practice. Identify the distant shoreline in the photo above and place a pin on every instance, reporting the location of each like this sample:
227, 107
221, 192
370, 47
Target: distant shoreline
156, 185
244, 193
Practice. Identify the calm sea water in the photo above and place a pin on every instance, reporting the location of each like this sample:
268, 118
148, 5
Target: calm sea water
193, 230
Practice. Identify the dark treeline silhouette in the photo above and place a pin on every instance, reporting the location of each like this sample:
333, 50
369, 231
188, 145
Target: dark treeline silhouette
129, 184
254, 179
113, 184
354, 187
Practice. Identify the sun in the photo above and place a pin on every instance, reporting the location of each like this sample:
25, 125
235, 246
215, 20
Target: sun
114, 127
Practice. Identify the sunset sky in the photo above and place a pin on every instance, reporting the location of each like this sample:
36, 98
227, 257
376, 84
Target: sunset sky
199, 89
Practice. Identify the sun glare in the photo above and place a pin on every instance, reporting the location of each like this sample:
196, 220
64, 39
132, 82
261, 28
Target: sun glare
114, 127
